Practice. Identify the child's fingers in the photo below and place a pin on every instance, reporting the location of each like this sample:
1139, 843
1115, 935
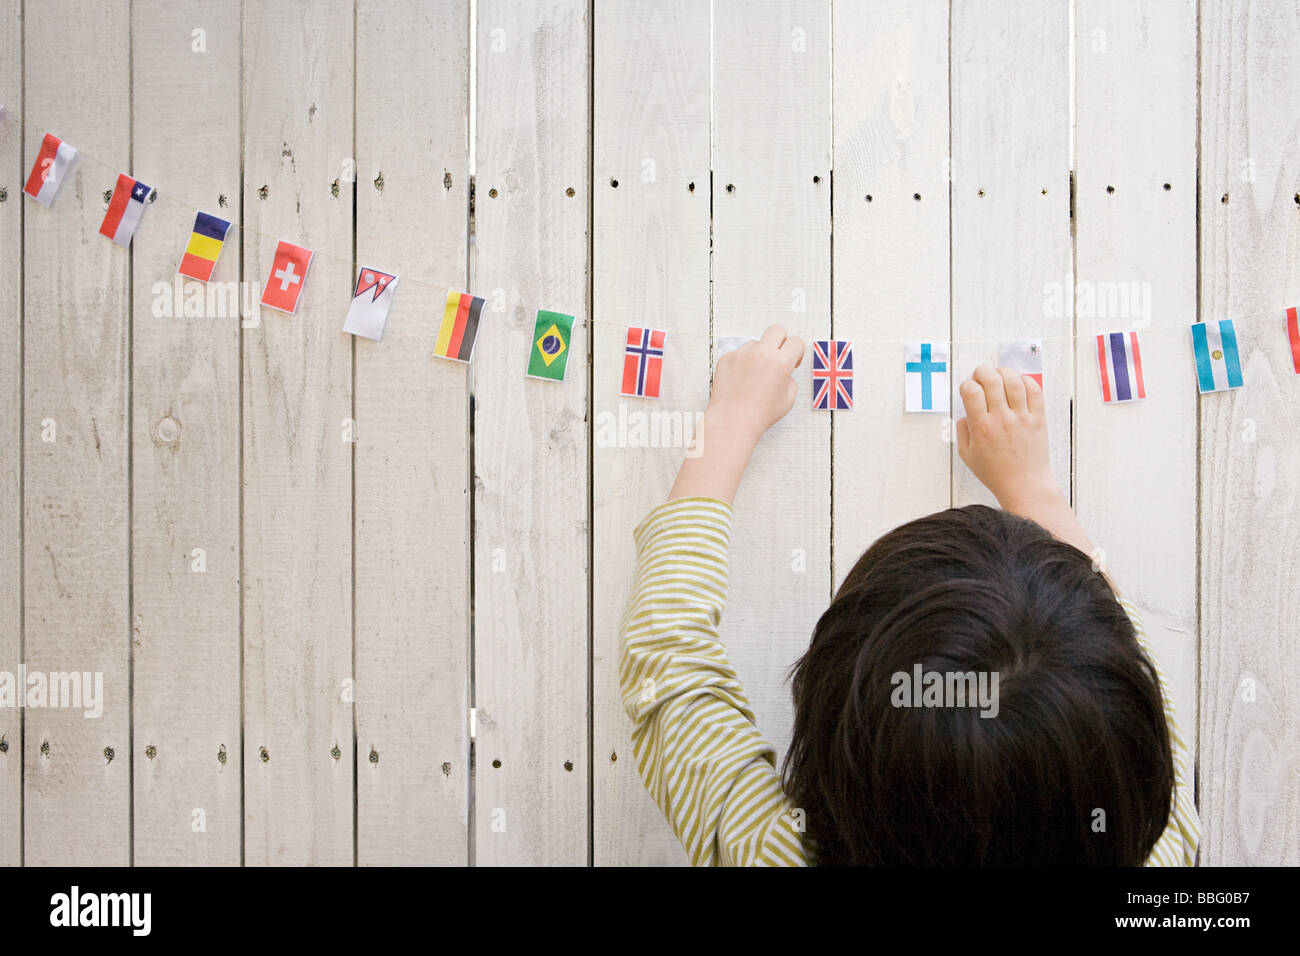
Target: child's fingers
1013, 383
1033, 396
792, 348
972, 396
772, 336
995, 393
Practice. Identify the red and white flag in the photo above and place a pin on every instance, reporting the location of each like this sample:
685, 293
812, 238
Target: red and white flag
1024, 356
1293, 336
288, 273
368, 313
50, 169
125, 210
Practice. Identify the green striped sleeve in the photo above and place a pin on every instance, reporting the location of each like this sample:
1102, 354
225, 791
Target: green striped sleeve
697, 748
1178, 845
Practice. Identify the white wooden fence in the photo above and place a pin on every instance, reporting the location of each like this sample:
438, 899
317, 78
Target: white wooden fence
387, 540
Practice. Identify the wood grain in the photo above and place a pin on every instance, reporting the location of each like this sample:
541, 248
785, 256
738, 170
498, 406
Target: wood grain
530, 437
650, 268
771, 264
297, 400
185, 446
891, 262
412, 452
1140, 238
1250, 437
76, 557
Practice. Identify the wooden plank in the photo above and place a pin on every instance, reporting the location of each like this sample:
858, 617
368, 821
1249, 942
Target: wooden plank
1250, 438
771, 263
11, 435
185, 440
530, 437
891, 264
412, 455
651, 268
297, 400
76, 297
1136, 269
1011, 203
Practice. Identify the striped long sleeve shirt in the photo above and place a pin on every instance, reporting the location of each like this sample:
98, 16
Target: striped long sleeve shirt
697, 747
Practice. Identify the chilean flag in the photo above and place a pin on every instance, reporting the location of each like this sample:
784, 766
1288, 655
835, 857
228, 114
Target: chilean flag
125, 210
50, 169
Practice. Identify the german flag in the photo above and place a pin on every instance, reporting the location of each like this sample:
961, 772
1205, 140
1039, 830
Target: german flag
459, 327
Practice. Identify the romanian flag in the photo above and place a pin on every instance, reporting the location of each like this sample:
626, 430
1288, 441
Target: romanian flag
459, 327
205, 245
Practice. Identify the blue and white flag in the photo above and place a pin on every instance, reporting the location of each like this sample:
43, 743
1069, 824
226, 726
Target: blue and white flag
1218, 366
926, 376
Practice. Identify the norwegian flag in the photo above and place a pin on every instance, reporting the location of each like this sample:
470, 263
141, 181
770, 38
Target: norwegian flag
643, 362
288, 272
832, 375
124, 212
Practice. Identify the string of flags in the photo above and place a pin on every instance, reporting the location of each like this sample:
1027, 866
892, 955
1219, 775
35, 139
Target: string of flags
927, 377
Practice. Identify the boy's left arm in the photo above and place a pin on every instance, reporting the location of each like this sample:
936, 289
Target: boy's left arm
698, 750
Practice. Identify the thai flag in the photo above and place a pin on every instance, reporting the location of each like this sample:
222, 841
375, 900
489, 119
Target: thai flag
832, 375
125, 210
1218, 366
1119, 361
643, 362
50, 169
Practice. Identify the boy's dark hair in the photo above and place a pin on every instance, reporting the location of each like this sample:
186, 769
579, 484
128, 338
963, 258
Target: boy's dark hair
1080, 726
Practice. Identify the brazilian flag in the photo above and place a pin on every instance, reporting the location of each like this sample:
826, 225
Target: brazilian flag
550, 352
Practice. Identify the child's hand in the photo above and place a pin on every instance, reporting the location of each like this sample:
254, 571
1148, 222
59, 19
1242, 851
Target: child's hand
752, 387
752, 390
1003, 438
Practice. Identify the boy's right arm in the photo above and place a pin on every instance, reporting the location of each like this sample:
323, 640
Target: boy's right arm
1003, 440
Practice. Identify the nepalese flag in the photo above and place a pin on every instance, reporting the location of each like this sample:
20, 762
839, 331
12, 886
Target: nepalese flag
204, 246
125, 209
459, 328
50, 169
368, 313
643, 361
288, 273
926, 377
1218, 366
1119, 362
1024, 356
550, 354
832, 373
1293, 336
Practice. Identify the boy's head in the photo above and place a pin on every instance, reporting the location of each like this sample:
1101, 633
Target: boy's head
1070, 764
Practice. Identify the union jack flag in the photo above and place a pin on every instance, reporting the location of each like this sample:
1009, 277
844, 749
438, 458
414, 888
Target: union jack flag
833, 375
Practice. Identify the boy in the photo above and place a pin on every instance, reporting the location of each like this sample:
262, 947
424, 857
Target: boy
1079, 760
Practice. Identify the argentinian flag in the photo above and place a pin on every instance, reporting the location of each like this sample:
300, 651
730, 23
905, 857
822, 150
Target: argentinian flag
1218, 366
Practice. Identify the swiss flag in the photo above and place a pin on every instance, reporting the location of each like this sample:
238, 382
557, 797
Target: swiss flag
288, 273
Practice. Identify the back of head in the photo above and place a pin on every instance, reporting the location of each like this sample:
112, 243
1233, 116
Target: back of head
1069, 765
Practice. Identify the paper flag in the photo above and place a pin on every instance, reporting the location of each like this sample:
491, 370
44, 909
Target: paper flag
459, 328
729, 343
1119, 363
50, 169
832, 373
124, 210
371, 300
1293, 336
1024, 356
550, 352
288, 273
643, 361
204, 246
1218, 366
926, 377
